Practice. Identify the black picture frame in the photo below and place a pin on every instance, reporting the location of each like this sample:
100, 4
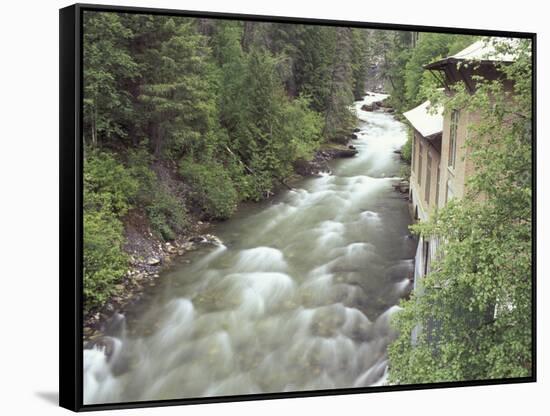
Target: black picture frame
71, 192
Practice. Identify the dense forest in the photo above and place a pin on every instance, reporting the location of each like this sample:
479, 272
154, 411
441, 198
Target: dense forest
185, 118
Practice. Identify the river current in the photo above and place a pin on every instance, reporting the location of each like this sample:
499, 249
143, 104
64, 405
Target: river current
298, 297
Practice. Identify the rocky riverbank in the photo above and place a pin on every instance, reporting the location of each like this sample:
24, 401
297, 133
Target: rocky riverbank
145, 268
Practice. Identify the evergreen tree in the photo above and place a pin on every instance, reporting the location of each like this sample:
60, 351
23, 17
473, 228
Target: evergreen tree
338, 116
177, 94
107, 65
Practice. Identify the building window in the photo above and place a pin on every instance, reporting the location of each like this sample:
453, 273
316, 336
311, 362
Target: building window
420, 151
450, 193
452, 138
428, 179
438, 184
413, 153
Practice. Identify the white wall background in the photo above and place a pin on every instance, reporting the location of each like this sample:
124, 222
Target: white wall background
29, 206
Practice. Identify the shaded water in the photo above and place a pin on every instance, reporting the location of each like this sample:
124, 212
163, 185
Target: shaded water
298, 298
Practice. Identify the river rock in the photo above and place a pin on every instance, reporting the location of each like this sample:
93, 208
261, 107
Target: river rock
402, 186
382, 103
345, 153
368, 107
153, 261
206, 239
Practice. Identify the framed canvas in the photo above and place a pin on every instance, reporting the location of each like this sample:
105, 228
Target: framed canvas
259, 207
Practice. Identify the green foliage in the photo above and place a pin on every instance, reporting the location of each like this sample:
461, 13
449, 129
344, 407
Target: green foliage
474, 309
104, 258
108, 185
430, 46
177, 93
107, 66
359, 62
138, 167
213, 190
405, 61
406, 150
313, 63
167, 214
109, 191
267, 131
339, 119
303, 126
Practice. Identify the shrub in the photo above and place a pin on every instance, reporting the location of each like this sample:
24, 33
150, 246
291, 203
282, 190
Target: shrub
138, 162
104, 258
212, 188
167, 214
109, 191
108, 185
406, 150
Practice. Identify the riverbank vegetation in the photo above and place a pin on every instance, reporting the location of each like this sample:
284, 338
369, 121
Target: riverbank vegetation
185, 118
472, 313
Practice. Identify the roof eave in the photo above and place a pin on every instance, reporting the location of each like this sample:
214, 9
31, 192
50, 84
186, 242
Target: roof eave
434, 135
439, 65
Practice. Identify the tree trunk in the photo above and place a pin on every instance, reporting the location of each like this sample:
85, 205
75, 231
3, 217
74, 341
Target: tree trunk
156, 139
94, 126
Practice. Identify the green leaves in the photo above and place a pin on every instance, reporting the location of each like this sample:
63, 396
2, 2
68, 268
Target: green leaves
108, 185
104, 261
213, 190
107, 67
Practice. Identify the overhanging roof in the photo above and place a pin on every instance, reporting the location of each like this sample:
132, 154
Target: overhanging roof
426, 123
483, 51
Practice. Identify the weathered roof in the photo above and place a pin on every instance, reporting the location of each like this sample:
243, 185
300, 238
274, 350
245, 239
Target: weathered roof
425, 122
482, 50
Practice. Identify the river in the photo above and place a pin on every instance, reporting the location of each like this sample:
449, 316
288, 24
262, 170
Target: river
298, 297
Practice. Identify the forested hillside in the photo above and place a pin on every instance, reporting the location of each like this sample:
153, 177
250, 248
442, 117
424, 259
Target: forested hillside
185, 118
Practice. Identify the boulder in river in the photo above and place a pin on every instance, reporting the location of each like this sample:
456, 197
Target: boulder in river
368, 107
382, 103
345, 153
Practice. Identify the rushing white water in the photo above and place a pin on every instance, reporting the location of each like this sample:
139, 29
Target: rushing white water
299, 297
